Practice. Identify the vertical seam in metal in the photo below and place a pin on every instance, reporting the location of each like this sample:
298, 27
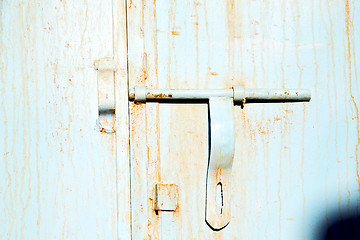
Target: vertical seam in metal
129, 116
115, 137
145, 68
129, 112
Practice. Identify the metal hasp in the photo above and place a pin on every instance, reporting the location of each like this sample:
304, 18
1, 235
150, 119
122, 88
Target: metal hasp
222, 147
222, 135
166, 197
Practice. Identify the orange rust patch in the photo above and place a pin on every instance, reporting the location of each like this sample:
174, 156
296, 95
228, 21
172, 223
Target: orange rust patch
277, 119
144, 75
69, 79
176, 33
131, 4
264, 129
136, 113
218, 174
160, 95
214, 73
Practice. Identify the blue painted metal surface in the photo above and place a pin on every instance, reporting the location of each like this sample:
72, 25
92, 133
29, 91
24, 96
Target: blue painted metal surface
58, 173
296, 166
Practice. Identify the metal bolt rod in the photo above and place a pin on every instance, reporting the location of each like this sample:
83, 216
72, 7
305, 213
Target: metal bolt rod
277, 94
258, 94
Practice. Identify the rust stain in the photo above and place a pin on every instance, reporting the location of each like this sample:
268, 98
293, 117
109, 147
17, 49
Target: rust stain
131, 4
348, 25
231, 31
144, 72
153, 169
142, 32
214, 73
136, 114
144, 75
189, 179
197, 30
332, 96
160, 95
176, 33
218, 174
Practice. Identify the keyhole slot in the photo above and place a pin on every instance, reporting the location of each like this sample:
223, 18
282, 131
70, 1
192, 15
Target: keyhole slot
219, 197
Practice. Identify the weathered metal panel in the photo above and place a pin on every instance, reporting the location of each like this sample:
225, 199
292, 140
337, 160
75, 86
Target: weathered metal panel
122, 120
57, 171
296, 165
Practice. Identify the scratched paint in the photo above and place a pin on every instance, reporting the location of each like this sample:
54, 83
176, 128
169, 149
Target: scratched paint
296, 165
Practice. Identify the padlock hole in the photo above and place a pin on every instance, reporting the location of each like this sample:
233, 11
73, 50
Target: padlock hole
219, 197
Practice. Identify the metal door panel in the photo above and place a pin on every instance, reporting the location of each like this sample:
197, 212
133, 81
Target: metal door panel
296, 166
58, 172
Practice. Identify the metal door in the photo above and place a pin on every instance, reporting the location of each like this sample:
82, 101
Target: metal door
295, 171
58, 172
296, 168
